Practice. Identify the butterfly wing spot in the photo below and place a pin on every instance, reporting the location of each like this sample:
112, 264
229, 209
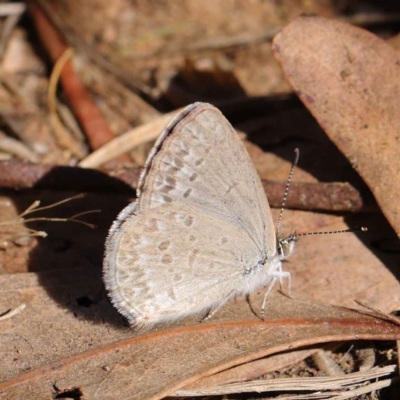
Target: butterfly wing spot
189, 221
151, 226
198, 162
166, 199
123, 275
170, 181
185, 219
167, 188
250, 202
171, 164
177, 278
209, 118
193, 177
177, 163
141, 289
170, 169
171, 294
182, 153
180, 149
192, 238
164, 245
126, 261
181, 145
187, 193
194, 131
193, 256
158, 183
164, 184
166, 259
172, 159
129, 240
224, 240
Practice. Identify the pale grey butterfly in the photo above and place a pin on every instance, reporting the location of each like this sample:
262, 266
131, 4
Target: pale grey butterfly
200, 231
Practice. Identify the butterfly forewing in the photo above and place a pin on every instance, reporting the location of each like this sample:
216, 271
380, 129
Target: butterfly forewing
202, 162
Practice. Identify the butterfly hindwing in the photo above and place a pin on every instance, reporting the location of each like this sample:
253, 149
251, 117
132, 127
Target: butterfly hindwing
173, 261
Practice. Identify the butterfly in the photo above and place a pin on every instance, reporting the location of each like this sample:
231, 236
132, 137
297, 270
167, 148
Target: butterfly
201, 230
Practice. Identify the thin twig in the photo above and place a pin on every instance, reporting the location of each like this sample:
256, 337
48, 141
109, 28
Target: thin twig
64, 139
12, 313
9, 24
7, 9
69, 219
92, 121
76, 41
127, 141
34, 207
17, 148
321, 196
324, 385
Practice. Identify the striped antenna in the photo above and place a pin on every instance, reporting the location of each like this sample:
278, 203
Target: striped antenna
295, 162
294, 236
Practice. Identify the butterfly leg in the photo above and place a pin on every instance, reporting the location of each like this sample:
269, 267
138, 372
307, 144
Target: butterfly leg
282, 274
270, 286
279, 274
288, 276
216, 308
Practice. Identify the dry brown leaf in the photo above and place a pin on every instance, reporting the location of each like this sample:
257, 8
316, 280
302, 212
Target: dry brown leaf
349, 79
339, 269
155, 365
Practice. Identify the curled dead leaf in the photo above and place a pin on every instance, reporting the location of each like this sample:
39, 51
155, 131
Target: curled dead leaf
349, 79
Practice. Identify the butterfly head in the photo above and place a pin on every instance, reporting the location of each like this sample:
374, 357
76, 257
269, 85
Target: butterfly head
286, 245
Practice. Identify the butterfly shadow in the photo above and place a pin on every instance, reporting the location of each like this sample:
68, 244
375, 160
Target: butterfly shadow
68, 262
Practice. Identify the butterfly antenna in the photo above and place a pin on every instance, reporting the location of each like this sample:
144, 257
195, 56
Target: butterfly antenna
294, 236
295, 162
